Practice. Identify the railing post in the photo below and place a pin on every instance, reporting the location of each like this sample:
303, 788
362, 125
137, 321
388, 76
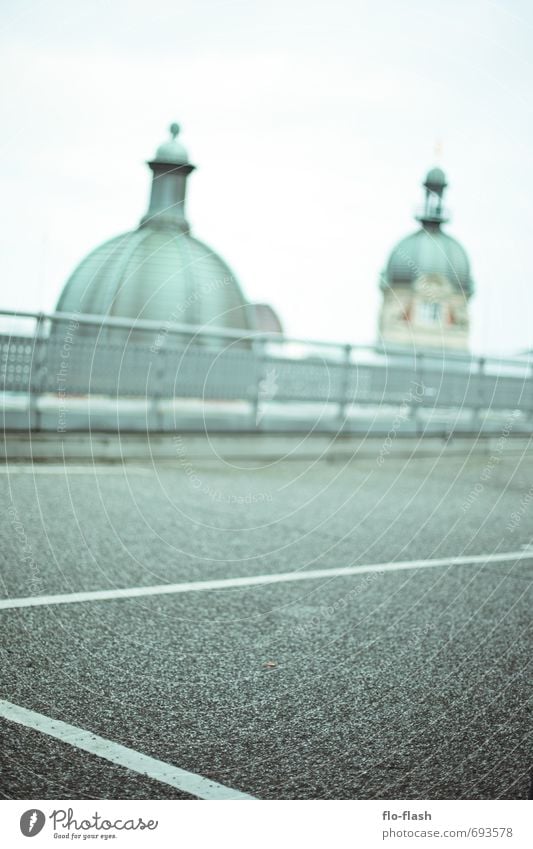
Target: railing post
37, 373
345, 382
529, 413
481, 389
157, 396
258, 348
418, 381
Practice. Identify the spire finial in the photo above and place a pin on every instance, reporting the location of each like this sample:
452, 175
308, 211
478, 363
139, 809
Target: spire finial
174, 130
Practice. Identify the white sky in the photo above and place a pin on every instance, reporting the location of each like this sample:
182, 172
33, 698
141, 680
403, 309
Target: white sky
312, 125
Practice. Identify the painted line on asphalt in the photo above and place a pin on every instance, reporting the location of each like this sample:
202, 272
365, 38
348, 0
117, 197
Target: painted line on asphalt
188, 782
257, 580
93, 469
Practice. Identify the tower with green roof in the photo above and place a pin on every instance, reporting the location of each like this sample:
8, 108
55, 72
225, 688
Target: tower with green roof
426, 283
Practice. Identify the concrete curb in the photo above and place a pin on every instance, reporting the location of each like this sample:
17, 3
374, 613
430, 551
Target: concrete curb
113, 447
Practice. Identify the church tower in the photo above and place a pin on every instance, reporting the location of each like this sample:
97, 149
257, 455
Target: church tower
426, 283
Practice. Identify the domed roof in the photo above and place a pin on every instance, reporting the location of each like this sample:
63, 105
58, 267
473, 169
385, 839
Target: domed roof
159, 272
172, 151
266, 318
156, 275
435, 179
428, 252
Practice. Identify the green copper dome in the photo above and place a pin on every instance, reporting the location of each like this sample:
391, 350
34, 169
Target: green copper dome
159, 272
156, 275
435, 179
429, 250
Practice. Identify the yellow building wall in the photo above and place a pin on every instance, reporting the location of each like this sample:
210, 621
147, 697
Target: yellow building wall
429, 313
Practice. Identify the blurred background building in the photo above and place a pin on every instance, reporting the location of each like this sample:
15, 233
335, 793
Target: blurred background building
160, 272
427, 284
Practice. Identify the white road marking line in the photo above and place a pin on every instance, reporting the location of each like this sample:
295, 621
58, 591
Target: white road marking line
256, 580
188, 782
20, 469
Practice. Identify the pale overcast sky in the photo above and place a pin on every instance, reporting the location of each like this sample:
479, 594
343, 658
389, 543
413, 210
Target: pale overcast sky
312, 125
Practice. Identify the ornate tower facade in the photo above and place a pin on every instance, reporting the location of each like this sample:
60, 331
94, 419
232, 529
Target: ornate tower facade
426, 283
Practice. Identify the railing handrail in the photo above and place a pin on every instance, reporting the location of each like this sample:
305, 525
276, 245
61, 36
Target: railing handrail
180, 329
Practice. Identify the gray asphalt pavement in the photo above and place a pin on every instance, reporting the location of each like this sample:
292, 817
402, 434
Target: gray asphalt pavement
389, 684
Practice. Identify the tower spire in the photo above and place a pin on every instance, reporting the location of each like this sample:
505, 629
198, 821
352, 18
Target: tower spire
170, 168
433, 213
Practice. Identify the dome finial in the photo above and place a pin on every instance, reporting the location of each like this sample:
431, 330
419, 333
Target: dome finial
172, 151
435, 180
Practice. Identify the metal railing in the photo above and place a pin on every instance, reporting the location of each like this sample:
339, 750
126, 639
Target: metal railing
67, 369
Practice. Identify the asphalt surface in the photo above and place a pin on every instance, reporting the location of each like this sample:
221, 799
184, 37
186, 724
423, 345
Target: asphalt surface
401, 684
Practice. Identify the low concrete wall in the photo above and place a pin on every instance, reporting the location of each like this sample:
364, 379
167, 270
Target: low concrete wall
43, 447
